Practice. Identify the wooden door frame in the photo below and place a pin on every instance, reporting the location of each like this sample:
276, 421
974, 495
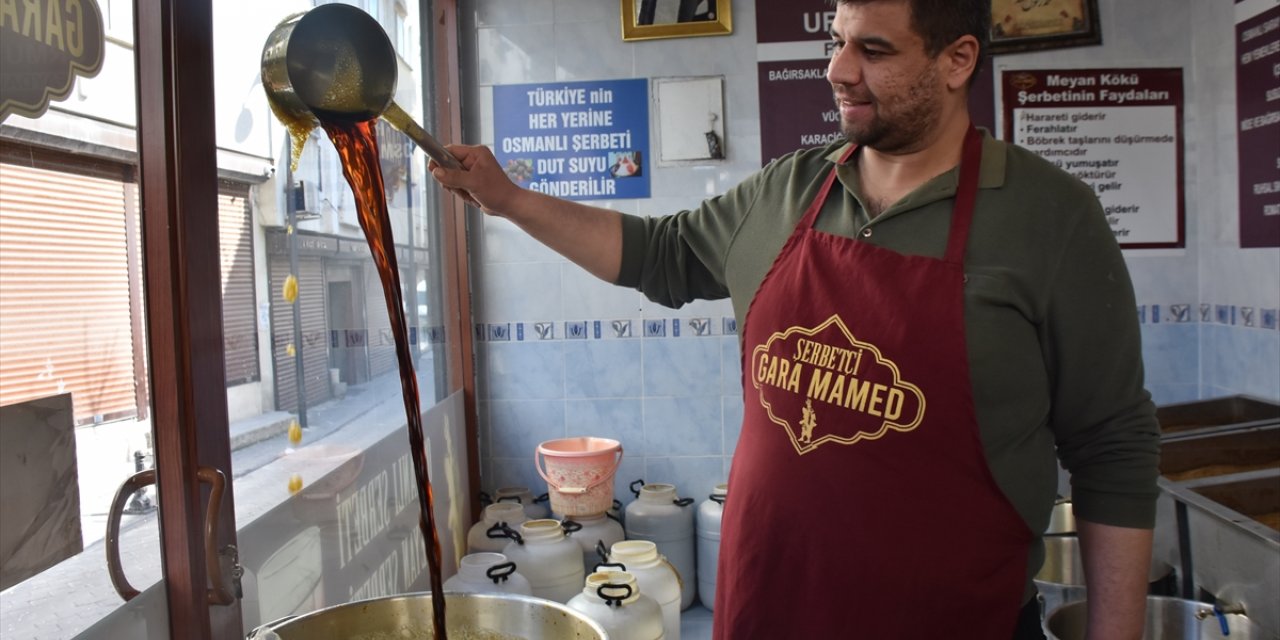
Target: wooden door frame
177, 151
440, 31
177, 157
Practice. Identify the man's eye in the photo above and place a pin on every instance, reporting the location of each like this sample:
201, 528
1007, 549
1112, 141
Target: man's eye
874, 53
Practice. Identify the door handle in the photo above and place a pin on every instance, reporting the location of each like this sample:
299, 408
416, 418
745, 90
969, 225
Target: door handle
130, 486
219, 594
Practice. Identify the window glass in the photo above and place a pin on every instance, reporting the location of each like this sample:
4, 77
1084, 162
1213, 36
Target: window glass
325, 501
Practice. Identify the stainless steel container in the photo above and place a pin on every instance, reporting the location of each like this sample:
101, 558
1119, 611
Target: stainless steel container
470, 616
1216, 517
1061, 578
1167, 619
1190, 419
1062, 520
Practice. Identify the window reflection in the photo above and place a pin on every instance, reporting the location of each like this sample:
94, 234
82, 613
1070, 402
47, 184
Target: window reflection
312, 386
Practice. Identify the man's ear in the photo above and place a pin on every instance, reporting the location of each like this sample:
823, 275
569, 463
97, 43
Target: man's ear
960, 60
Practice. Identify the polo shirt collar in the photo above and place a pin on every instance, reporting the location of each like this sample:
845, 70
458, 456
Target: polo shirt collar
991, 175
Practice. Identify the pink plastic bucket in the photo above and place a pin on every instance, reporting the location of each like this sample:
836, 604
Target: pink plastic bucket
579, 473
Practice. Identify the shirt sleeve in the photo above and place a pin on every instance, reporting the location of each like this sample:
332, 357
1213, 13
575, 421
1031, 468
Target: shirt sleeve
1103, 418
679, 258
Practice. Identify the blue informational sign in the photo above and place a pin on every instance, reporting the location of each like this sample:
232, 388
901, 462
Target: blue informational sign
575, 140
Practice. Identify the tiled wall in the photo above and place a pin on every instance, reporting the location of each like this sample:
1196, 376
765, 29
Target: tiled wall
1239, 288
561, 353
1195, 351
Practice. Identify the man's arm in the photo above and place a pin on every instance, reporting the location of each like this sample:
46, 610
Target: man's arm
1116, 568
590, 237
1104, 421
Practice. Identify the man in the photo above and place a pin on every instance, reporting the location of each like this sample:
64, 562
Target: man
925, 314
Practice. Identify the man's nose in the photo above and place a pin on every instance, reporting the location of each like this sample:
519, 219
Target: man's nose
844, 67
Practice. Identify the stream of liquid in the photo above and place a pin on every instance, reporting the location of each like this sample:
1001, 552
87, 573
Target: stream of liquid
357, 145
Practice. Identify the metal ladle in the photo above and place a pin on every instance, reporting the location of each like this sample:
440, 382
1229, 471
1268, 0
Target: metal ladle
335, 62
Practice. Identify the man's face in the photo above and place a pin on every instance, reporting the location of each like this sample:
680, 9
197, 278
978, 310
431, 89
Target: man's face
888, 91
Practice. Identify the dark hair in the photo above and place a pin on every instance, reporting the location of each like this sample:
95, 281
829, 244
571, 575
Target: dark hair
941, 22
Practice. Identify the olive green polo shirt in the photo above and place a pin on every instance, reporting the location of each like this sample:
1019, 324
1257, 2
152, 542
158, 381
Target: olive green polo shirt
1050, 318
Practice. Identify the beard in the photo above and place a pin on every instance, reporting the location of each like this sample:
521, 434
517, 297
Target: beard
898, 124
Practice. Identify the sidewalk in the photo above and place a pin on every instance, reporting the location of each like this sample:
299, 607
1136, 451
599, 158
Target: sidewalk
76, 596
106, 453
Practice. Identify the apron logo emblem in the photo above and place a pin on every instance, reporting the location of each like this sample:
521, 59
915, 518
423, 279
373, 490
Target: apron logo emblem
822, 385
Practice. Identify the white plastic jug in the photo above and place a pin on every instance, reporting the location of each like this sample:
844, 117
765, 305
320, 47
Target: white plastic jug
658, 516
708, 523
488, 573
656, 577
534, 508
591, 533
550, 561
486, 535
613, 599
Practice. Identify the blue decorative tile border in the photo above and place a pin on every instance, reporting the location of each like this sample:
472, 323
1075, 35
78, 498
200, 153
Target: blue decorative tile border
606, 329
1211, 313
1252, 317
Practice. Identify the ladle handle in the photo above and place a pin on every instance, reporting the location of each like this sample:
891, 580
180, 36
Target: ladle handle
396, 117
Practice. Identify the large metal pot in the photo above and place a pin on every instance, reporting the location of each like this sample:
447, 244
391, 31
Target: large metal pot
470, 616
1167, 619
1061, 578
1062, 520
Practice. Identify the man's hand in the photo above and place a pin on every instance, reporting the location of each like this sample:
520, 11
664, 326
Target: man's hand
481, 181
590, 237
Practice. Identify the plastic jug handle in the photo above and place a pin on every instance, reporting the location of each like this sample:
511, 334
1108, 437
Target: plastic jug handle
500, 572
633, 488
570, 526
613, 601
619, 565
682, 502
602, 551
501, 530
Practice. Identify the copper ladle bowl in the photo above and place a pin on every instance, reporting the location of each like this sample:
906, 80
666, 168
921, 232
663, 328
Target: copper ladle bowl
334, 62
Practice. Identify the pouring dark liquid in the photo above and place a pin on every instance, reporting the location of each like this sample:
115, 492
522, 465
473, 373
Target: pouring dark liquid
357, 145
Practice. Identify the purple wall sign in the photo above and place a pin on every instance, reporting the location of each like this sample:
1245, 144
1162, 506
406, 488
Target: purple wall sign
1119, 131
792, 47
1258, 108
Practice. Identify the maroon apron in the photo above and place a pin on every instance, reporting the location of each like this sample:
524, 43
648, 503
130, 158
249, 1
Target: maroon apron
863, 505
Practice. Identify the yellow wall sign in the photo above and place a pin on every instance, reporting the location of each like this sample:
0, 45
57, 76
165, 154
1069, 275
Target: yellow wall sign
822, 385
44, 45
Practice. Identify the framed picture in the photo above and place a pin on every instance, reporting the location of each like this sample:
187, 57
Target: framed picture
1030, 25
649, 19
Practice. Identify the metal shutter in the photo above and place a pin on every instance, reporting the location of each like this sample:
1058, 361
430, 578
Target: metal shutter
239, 318
314, 343
382, 342
64, 283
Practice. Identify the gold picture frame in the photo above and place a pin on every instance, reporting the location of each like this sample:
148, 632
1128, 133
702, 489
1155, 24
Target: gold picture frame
1033, 25
650, 19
